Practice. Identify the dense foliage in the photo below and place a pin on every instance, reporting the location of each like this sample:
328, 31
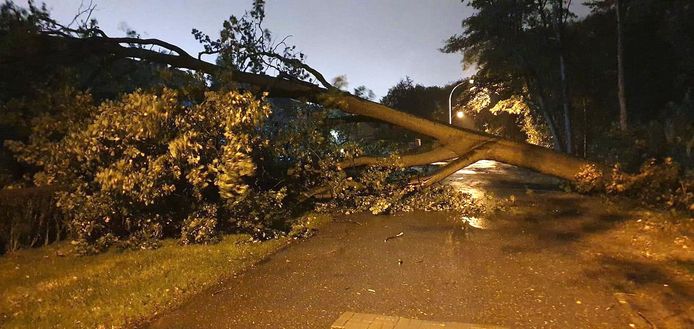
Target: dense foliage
308, 151
169, 163
149, 162
656, 184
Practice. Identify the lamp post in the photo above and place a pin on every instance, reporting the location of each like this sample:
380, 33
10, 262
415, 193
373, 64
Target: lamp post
450, 106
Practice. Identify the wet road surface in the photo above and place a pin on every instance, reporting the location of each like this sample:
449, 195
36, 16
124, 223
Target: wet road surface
526, 269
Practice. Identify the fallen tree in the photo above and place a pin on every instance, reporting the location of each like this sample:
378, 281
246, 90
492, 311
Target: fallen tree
245, 42
459, 146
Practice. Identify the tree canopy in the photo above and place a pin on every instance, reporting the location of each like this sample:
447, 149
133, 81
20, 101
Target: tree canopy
516, 48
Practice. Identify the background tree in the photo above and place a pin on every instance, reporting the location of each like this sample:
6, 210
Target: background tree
495, 109
623, 117
520, 55
560, 14
656, 39
516, 43
425, 102
619, 9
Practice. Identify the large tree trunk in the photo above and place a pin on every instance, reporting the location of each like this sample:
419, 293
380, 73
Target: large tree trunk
620, 70
568, 127
566, 108
544, 111
458, 145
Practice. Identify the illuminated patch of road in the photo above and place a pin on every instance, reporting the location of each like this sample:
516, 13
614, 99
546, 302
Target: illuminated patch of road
478, 222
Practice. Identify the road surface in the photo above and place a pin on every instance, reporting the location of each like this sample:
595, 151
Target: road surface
537, 263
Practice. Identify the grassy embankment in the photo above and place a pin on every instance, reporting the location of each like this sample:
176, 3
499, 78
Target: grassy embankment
40, 289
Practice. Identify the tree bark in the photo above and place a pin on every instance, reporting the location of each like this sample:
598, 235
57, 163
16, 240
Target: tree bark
546, 115
568, 127
461, 146
566, 108
620, 70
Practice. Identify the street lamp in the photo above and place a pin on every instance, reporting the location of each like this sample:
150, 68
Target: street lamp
450, 106
460, 114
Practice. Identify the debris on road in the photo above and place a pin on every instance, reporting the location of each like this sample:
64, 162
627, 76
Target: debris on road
394, 236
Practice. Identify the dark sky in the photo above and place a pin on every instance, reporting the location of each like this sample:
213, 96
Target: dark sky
373, 42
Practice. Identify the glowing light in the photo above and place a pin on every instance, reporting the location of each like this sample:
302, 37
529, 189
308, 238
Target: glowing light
477, 222
460, 114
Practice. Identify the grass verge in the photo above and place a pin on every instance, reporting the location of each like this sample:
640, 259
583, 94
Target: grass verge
39, 289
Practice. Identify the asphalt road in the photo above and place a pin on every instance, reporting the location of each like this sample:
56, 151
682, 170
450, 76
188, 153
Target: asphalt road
523, 270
